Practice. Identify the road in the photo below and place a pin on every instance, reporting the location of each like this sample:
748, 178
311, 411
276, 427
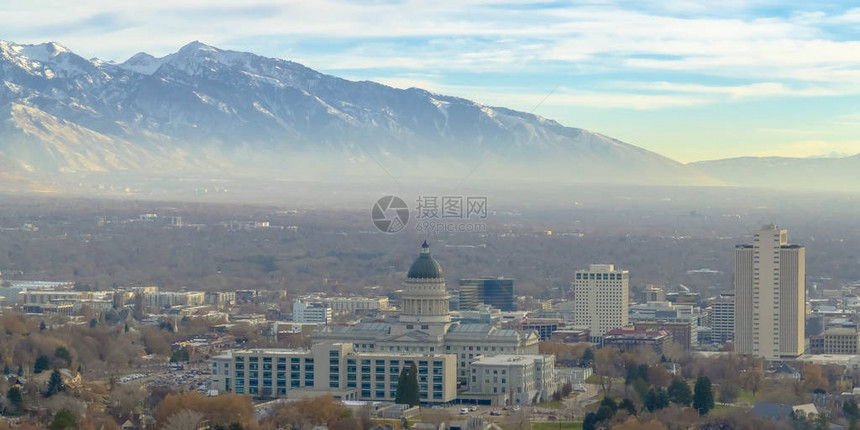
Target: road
577, 405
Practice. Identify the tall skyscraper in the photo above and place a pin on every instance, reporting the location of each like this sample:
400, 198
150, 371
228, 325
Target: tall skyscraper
496, 292
601, 299
770, 295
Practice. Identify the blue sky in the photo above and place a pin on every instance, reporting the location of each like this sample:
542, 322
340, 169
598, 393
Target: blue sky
690, 80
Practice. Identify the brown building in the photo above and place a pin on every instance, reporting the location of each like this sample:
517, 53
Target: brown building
629, 338
571, 335
681, 331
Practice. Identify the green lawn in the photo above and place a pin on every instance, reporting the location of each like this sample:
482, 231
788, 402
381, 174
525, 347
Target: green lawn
746, 397
560, 425
552, 404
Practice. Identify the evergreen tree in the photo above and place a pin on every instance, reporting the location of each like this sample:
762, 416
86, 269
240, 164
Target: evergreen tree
412, 395
656, 399
63, 420
850, 409
641, 387
63, 354
55, 384
680, 393
607, 409
42, 326
400, 394
20, 370
15, 399
42, 363
6, 370
637, 372
407, 387
590, 421
179, 355
587, 358
628, 405
703, 395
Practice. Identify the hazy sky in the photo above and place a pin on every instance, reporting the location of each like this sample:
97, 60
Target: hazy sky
689, 79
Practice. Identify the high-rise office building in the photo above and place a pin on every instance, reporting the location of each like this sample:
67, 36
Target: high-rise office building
496, 292
722, 316
601, 299
770, 295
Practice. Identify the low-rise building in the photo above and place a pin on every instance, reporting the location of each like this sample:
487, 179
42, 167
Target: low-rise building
841, 340
511, 379
544, 327
681, 331
311, 312
355, 304
167, 299
220, 298
628, 338
571, 335
45, 297
332, 368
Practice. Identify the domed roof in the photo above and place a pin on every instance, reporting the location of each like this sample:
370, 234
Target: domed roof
425, 266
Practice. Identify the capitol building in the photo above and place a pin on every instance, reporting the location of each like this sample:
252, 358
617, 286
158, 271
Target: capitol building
364, 361
425, 326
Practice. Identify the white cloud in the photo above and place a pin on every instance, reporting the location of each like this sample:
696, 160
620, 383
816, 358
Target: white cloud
790, 55
762, 89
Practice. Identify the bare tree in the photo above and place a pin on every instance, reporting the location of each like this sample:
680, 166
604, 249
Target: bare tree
184, 420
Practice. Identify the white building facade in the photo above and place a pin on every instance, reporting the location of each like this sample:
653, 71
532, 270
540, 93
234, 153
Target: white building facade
513, 379
601, 296
722, 318
311, 312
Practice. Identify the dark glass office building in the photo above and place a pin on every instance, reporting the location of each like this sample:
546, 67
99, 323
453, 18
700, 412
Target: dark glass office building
496, 292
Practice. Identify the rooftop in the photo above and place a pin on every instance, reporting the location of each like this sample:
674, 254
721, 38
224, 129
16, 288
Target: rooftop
503, 359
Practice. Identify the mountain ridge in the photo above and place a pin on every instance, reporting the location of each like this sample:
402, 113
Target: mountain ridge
204, 109
790, 173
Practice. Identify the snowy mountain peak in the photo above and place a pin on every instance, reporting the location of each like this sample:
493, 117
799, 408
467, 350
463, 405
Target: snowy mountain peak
197, 46
43, 52
258, 111
142, 63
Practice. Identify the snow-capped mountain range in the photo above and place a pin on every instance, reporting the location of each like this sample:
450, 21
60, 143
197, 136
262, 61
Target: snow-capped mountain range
203, 109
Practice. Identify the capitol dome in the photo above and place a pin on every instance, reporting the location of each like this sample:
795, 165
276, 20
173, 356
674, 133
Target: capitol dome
425, 266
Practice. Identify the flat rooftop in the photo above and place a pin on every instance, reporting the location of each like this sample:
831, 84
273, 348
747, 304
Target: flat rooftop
508, 359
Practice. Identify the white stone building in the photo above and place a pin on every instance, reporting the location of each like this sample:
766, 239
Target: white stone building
512, 379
